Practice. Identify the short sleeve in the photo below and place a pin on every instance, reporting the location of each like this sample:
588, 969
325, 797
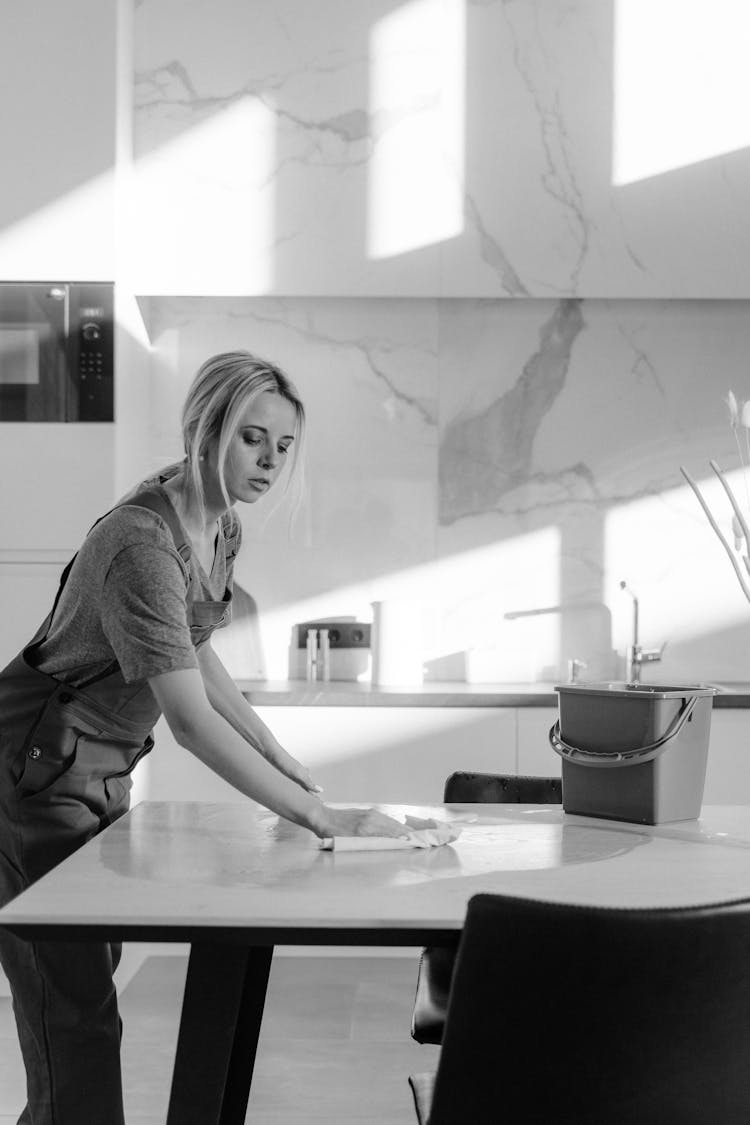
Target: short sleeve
144, 612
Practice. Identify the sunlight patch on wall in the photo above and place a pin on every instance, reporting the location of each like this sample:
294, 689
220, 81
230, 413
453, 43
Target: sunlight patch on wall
463, 599
348, 735
681, 84
70, 239
417, 109
203, 220
684, 594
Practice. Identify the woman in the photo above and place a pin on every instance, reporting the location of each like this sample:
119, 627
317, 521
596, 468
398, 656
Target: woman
128, 639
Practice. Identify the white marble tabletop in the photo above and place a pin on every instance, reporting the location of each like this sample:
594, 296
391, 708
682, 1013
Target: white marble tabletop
182, 870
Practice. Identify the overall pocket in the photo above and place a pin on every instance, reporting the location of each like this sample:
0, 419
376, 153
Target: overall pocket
72, 762
45, 761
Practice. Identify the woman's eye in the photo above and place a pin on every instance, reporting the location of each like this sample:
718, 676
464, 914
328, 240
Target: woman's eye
251, 440
283, 449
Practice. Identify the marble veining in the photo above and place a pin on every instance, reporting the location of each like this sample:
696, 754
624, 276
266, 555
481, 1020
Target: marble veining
542, 213
493, 254
169, 90
536, 67
486, 456
482, 456
379, 351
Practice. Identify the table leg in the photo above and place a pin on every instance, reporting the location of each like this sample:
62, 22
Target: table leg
222, 1009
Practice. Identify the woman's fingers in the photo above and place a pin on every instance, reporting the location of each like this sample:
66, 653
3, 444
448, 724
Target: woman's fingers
365, 822
418, 822
304, 779
378, 824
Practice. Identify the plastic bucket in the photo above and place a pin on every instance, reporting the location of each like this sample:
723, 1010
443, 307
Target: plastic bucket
634, 752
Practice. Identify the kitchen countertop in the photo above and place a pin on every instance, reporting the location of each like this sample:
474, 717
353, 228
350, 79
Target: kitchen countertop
342, 693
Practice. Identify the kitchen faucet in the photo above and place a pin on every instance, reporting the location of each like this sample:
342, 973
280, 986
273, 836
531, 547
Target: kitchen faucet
637, 655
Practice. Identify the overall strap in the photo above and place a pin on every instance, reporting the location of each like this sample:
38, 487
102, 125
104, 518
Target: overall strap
231, 538
155, 500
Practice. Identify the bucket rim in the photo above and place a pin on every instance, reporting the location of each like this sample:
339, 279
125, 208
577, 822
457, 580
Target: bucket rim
622, 689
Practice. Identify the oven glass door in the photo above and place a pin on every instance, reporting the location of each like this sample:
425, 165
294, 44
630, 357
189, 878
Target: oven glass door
34, 328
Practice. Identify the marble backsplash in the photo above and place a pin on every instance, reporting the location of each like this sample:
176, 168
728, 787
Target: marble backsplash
503, 464
502, 246
441, 148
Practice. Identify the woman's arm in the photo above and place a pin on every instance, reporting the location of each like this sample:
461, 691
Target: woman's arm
226, 698
199, 728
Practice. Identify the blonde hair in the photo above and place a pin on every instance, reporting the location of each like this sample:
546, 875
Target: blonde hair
222, 390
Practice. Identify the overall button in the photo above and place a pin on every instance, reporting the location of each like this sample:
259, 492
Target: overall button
35, 752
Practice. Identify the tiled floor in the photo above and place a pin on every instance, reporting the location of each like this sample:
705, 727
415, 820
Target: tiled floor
335, 1045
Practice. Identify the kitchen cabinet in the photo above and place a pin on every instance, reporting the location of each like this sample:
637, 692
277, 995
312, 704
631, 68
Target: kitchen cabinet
535, 755
383, 754
728, 767
27, 591
62, 474
377, 754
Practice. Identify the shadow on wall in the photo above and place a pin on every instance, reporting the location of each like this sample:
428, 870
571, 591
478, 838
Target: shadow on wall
723, 654
361, 754
239, 645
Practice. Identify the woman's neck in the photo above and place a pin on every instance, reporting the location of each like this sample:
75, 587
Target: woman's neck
199, 522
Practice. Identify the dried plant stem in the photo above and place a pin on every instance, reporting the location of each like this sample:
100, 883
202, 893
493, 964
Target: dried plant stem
737, 509
715, 526
743, 461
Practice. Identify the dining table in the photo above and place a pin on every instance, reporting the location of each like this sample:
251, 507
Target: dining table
234, 881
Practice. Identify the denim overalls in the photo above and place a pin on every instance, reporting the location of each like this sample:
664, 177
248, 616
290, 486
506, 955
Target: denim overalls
66, 755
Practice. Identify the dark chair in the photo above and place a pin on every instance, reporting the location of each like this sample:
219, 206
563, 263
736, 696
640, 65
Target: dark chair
436, 964
584, 1015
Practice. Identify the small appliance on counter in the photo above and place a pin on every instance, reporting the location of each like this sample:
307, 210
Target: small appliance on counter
330, 649
633, 751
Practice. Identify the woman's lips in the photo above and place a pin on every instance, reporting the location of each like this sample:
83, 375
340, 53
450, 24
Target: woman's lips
259, 485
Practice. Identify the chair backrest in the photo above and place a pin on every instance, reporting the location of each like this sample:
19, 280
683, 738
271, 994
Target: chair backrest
597, 1016
500, 788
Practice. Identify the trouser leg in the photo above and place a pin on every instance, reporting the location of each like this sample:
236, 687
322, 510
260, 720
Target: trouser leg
65, 1005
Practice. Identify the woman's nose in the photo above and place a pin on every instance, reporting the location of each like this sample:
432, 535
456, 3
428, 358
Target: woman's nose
268, 459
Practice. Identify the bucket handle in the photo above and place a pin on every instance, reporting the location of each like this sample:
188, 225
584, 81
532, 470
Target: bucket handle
639, 754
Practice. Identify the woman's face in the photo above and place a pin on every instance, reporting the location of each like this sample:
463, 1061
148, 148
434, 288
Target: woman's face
260, 447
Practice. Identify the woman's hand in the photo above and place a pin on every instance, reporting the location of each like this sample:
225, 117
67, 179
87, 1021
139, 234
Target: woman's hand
358, 822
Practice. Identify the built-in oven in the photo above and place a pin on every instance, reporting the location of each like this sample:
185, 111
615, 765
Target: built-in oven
56, 351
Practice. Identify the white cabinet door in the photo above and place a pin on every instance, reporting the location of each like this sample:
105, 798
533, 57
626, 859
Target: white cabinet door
535, 755
379, 754
58, 478
27, 591
728, 768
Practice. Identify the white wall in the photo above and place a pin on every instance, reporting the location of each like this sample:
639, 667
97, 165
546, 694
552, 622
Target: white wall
442, 148
57, 139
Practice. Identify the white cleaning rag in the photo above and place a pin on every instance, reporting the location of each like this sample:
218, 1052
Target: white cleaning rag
417, 838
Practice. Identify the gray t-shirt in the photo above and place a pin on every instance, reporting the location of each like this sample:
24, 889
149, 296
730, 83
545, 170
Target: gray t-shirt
125, 600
